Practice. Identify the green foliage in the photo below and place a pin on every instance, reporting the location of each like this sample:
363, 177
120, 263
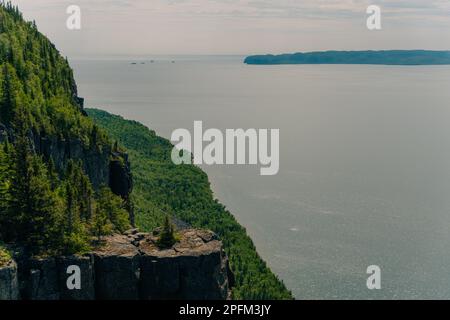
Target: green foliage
113, 207
5, 256
34, 76
184, 191
30, 214
48, 219
46, 211
101, 225
167, 237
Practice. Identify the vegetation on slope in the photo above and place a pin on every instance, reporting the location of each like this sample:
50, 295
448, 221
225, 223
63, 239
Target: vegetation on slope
5, 256
183, 191
47, 212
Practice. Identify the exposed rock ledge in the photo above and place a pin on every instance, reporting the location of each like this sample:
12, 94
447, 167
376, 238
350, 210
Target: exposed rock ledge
9, 285
127, 267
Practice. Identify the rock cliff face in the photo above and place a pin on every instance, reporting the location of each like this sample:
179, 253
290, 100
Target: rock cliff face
127, 267
9, 284
195, 268
101, 164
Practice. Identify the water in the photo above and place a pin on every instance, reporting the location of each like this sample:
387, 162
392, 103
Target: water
364, 162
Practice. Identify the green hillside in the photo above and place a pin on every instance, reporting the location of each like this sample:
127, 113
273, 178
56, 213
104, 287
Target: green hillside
47, 202
184, 191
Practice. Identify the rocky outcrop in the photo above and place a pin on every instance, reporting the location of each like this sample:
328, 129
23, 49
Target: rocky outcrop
117, 270
41, 280
120, 180
100, 163
47, 278
95, 160
195, 268
127, 267
9, 284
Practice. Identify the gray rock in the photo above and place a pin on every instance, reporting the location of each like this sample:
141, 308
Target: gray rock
117, 270
42, 280
195, 268
9, 284
127, 267
160, 278
86, 265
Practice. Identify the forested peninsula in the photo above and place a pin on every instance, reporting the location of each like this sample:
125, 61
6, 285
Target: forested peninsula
383, 57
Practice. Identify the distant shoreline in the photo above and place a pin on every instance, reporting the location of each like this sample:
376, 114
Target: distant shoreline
382, 57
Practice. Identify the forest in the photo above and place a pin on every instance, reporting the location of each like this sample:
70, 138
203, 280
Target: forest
45, 210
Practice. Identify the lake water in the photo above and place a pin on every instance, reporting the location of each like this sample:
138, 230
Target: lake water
364, 162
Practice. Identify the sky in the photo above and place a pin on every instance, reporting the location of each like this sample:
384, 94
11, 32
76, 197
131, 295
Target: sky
156, 27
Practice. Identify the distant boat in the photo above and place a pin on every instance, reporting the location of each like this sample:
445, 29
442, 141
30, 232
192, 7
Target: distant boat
173, 61
133, 63
151, 61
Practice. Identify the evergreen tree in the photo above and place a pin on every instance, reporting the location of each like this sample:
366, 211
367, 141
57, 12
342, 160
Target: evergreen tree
101, 226
167, 238
4, 191
20, 191
41, 219
113, 206
38, 209
7, 101
53, 175
32, 209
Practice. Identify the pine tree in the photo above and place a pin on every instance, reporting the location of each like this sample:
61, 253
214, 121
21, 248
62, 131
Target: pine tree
75, 230
32, 209
113, 206
167, 238
41, 220
20, 191
4, 191
7, 101
53, 175
101, 226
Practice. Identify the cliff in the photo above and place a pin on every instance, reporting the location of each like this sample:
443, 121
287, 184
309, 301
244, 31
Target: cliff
9, 285
127, 267
185, 192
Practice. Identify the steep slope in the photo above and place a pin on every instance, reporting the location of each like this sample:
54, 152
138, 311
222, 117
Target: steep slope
184, 191
58, 170
37, 82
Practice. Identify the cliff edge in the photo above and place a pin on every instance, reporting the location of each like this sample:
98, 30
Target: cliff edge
127, 266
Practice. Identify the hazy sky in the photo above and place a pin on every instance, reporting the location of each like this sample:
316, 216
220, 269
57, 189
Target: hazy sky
146, 27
